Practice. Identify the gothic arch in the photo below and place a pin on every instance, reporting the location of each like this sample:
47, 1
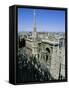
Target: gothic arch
48, 55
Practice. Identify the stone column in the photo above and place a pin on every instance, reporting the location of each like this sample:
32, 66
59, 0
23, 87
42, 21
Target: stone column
63, 60
54, 70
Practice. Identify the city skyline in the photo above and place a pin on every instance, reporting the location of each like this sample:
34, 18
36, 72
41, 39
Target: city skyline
46, 20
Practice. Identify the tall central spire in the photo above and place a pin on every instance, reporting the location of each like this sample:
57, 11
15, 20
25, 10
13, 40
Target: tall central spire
34, 20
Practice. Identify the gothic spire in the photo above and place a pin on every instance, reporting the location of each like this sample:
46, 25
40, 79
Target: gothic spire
34, 20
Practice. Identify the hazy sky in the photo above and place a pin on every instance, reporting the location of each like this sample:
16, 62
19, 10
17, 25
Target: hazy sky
46, 20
